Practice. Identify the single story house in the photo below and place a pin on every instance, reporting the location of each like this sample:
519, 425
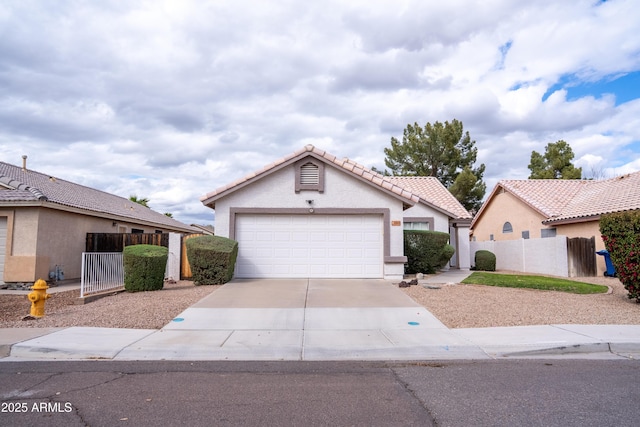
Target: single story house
538, 208
44, 222
311, 214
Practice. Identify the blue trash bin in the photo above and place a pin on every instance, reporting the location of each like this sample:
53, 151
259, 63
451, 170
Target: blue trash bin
611, 270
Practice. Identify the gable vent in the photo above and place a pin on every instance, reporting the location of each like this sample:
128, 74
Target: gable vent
309, 174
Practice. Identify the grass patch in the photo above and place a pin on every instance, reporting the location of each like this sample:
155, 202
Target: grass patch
533, 282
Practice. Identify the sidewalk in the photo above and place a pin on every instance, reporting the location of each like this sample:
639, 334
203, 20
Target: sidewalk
318, 329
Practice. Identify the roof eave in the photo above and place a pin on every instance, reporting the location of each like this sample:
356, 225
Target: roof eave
444, 211
575, 220
209, 201
115, 217
21, 203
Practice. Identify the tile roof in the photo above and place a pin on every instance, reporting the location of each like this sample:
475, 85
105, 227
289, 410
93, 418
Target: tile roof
600, 197
547, 196
432, 192
429, 192
17, 196
31, 186
573, 200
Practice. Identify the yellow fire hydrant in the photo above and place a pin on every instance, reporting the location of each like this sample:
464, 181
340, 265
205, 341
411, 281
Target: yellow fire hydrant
38, 297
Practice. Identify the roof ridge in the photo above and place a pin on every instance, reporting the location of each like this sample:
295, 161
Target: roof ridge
55, 178
351, 166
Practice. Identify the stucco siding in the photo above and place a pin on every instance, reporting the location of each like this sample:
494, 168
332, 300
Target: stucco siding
39, 238
277, 191
441, 221
504, 207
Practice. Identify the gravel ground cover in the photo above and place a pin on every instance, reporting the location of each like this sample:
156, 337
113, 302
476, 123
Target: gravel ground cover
478, 306
457, 306
136, 310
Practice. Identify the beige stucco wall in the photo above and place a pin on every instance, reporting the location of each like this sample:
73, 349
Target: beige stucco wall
505, 207
40, 238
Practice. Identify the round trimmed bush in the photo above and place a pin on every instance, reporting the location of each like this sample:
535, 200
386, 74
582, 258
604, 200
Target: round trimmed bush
144, 267
426, 251
485, 260
212, 259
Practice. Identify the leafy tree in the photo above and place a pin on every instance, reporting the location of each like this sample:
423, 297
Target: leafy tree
445, 151
468, 187
140, 201
555, 163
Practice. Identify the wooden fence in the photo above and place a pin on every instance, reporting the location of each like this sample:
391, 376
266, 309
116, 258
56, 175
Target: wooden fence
116, 242
581, 256
185, 268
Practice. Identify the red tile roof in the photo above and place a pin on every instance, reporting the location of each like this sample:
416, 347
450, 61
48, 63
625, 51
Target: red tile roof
573, 200
600, 197
432, 192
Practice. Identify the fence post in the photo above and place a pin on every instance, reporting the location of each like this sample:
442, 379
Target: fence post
173, 262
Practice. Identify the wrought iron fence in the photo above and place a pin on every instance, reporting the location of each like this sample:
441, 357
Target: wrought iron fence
101, 271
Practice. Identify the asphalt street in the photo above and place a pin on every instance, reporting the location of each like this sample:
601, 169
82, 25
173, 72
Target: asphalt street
449, 393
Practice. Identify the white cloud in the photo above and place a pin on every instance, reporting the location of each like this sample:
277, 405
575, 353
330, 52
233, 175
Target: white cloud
170, 100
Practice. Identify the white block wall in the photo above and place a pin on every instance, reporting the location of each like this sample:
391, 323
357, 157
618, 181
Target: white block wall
540, 256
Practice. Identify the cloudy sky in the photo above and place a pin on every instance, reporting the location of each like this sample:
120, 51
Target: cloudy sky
172, 99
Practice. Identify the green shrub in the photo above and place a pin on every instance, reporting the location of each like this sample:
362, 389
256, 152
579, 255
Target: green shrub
144, 267
212, 259
426, 251
621, 236
485, 261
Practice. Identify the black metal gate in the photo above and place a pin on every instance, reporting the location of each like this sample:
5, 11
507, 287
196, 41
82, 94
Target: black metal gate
581, 256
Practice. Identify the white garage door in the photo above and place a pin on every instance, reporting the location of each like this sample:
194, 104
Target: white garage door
298, 246
3, 245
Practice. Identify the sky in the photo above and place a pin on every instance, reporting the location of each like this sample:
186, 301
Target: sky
169, 100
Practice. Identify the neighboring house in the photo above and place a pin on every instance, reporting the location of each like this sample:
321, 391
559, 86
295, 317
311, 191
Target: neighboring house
538, 208
204, 229
44, 221
311, 214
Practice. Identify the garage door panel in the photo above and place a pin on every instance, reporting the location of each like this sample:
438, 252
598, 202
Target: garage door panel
282, 253
300, 237
372, 237
309, 246
283, 236
336, 253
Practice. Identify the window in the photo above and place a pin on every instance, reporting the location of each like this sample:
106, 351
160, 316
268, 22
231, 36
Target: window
137, 231
507, 228
416, 226
418, 223
525, 234
309, 175
548, 232
490, 236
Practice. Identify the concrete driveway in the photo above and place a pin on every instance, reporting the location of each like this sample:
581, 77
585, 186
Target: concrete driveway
302, 319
